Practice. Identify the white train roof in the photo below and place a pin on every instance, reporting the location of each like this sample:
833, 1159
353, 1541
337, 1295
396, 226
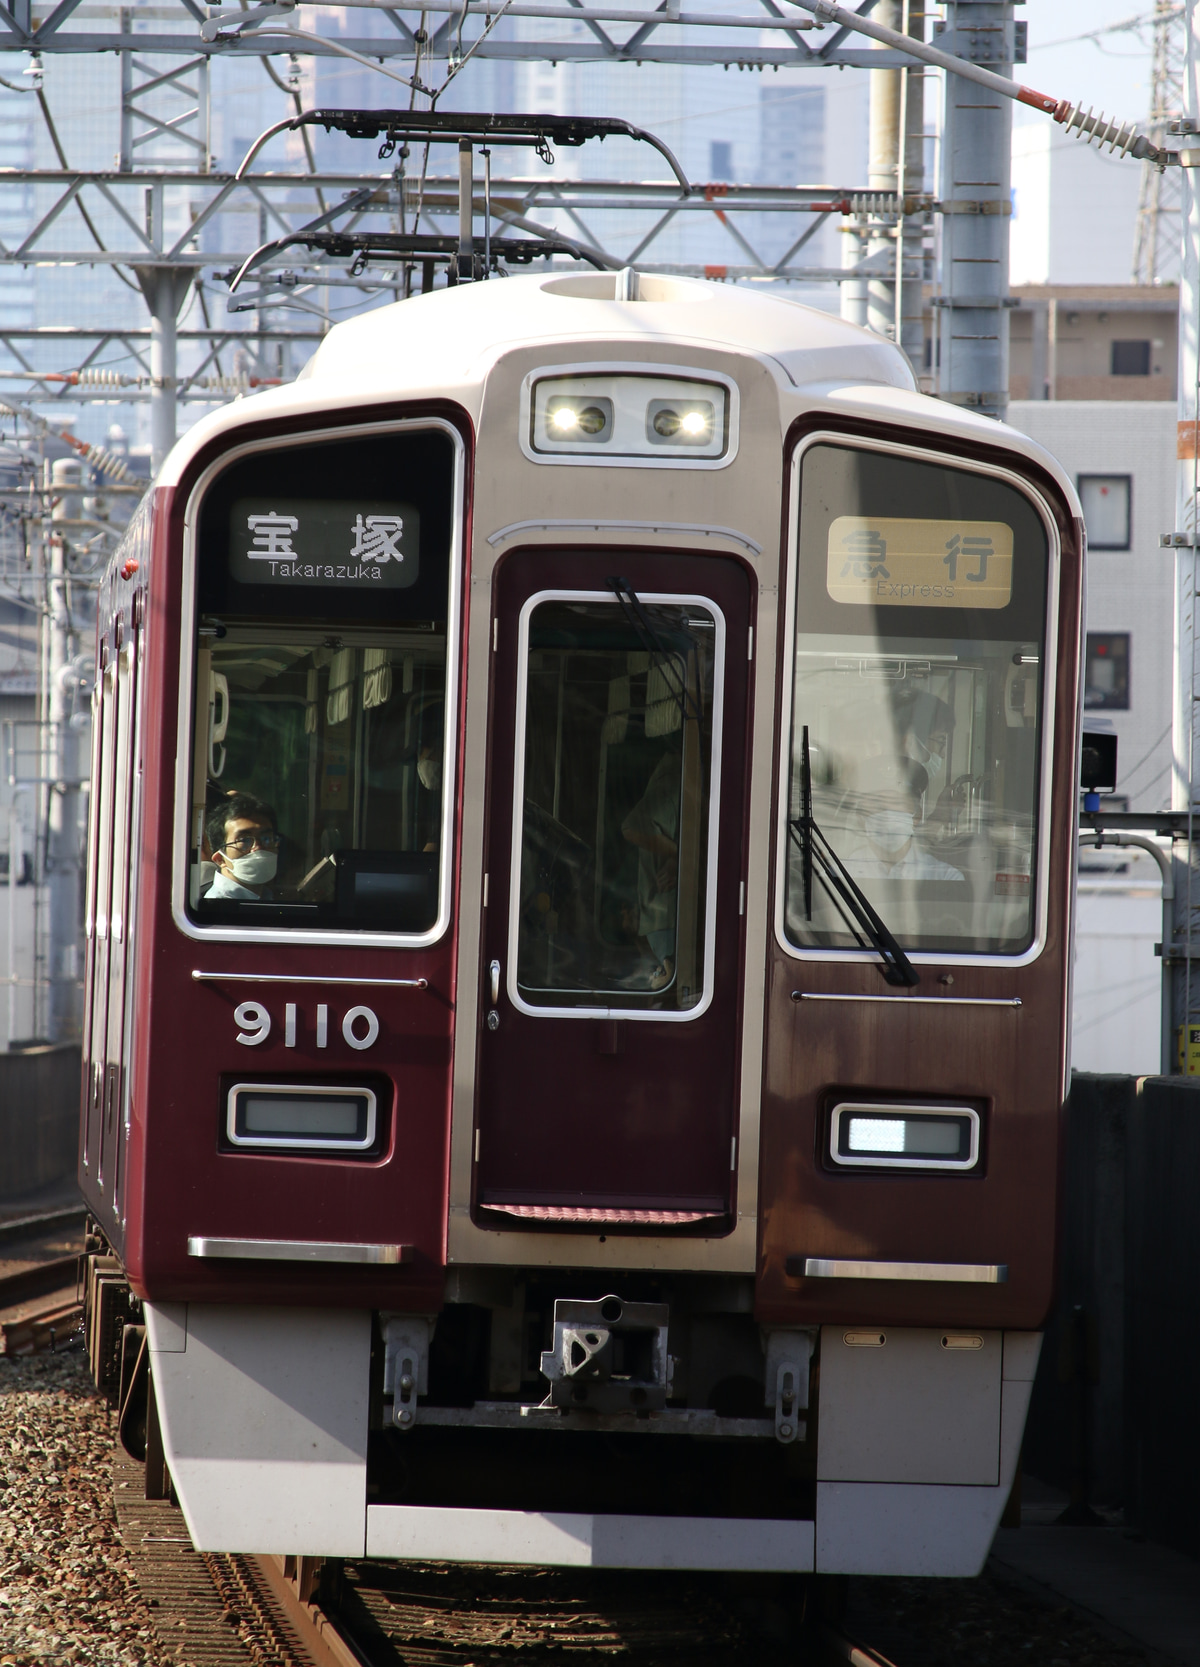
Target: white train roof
444, 343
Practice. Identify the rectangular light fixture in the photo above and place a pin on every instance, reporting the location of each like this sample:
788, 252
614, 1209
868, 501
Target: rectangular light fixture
288, 1117
875, 1136
615, 416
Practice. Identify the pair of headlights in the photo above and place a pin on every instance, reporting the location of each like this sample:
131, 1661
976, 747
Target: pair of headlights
620, 415
680, 423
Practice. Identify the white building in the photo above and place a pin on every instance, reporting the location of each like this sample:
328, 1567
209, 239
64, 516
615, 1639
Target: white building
1122, 456
1074, 209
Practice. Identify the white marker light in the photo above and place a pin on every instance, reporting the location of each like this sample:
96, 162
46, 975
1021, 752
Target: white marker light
565, 419
694, 422
903, 1137
874, 1134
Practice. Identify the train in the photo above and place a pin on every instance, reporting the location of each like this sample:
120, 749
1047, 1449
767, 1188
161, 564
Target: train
579, 920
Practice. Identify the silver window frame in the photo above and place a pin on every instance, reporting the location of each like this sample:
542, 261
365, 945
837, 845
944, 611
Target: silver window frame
644, 369
897, 1160
187, 696
284, 1143
644, 1015
921, 957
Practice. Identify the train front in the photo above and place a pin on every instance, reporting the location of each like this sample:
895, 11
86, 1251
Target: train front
579, 928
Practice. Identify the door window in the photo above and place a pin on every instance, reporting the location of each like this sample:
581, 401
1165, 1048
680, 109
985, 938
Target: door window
915, 756
614, 872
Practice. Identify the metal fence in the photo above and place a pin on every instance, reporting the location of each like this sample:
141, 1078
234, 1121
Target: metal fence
39, 1118
1113, 1419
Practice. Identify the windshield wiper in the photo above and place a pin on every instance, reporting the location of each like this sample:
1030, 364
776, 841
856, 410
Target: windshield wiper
639, 622
818, 857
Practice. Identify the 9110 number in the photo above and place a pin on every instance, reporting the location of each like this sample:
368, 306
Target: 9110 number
360, 1026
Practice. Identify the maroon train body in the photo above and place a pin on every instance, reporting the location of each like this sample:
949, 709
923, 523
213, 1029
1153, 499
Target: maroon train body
579, 926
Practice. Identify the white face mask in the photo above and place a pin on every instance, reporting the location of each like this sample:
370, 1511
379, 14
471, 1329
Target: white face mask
429, 773
257, 868
932, 761
891, 830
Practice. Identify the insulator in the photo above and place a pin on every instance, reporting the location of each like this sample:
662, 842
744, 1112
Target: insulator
107, 462
874, 202
1122, 137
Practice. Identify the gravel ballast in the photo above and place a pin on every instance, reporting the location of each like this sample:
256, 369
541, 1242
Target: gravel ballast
68, 1591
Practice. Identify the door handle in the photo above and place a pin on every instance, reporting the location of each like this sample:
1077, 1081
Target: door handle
494, 981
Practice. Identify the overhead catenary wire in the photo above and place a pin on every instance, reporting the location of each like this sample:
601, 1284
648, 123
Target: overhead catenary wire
1090, 126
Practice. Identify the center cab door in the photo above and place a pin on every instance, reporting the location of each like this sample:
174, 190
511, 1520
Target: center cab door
612, 942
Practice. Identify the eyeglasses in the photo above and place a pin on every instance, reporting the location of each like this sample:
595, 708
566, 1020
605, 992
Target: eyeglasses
263, 838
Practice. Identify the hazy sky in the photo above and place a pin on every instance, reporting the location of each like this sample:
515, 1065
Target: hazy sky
1111, 74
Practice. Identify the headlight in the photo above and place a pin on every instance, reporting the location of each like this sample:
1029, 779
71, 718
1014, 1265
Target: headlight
676, 422
569, 418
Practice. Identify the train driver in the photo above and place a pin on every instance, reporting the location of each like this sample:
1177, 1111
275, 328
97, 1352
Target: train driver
888, 849
245, 850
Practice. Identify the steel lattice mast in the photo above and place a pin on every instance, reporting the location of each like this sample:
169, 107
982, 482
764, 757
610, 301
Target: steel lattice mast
1156, 239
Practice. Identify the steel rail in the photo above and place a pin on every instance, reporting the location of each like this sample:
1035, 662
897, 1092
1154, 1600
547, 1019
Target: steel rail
33, 1226
327, 1643
39, 1280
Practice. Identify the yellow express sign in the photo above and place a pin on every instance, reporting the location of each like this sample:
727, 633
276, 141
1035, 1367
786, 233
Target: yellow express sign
895, 562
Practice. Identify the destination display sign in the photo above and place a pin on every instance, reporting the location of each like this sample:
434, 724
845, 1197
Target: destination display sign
320, 541
906, 563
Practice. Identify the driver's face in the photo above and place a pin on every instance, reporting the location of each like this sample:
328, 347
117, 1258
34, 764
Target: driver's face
242, 837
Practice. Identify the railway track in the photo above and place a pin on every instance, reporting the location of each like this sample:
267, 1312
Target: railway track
228, 1611
40, 1298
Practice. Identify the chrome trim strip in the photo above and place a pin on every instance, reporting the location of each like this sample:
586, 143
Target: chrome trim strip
911, 1001
949, 1273
301, 978
298, 1250
668, 528
924, 448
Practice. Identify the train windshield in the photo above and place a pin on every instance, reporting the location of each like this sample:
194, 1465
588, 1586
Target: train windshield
321, 743
612, 894
917, 706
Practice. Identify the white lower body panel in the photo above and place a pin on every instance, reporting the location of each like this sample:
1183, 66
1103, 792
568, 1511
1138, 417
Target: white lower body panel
452, 1535
922, 1526
264, 1424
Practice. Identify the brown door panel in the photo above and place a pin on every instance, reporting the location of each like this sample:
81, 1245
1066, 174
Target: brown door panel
908, 1051
609, 1112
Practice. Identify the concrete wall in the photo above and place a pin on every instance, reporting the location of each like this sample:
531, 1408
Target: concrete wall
1116, 993
39, 1118
1113, 1418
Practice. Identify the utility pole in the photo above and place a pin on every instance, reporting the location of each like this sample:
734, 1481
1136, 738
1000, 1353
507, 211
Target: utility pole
910, 233
1187, 530
64, 863
976, 204
164, 288
882, 236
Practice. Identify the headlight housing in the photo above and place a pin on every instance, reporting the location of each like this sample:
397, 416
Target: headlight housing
619, 416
